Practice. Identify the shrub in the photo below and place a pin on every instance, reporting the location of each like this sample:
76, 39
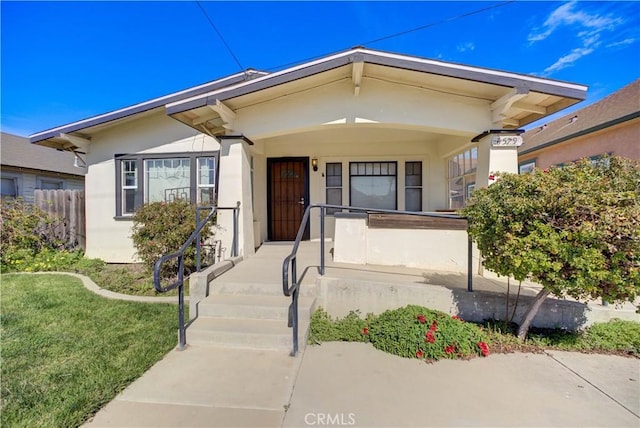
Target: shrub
417, 332
410, 332
29, 241
615, 335
161, 228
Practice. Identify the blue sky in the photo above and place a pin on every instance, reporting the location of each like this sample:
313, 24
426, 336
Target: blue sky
65, 61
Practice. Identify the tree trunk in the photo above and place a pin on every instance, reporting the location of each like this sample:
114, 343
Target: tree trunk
531, 313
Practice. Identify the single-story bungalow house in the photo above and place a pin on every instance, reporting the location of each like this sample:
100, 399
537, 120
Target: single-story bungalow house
361, 127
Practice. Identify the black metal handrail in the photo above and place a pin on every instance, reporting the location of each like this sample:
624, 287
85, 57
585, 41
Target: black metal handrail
179, 282
289, 263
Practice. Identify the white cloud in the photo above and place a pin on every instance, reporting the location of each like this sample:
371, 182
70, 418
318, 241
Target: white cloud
587, 27
567, 60
464, 47
621, 43
566, 15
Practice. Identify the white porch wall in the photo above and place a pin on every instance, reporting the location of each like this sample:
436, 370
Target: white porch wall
381, 102
108, 238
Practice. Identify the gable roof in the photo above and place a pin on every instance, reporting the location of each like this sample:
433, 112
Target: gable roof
621, 106
517, 98
16, 151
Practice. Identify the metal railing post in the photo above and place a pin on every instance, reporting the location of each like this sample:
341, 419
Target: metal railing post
469, 264
182, 336
322, 215
198, 241
234, 246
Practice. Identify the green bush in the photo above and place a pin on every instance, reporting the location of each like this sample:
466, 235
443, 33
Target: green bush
28, 239
410, 332
160, 228
324, 328
417, 332
615, 335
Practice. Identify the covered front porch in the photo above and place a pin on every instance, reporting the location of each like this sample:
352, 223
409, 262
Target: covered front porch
363, 128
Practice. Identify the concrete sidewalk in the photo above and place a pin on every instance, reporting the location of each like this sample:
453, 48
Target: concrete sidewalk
353, 384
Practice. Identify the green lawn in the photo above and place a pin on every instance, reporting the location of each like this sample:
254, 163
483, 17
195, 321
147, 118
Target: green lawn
66, 352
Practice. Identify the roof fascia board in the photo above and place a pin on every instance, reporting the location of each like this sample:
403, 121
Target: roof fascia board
137, 108
481, 75
590, 130
261, 83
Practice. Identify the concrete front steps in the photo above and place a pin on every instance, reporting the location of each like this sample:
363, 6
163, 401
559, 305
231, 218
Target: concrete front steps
249, 316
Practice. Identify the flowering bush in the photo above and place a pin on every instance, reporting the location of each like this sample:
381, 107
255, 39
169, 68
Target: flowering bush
418, 332
411, 332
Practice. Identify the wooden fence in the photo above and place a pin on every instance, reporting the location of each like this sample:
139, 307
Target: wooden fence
67, 206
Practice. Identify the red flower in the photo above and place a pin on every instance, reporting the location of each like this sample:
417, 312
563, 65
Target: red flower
484, 349
422, 319
492, 177
419, 354
434, 325
455, 317
365, 330
429, 337
450, 349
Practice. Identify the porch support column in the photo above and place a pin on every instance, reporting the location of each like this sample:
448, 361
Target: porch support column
497, 152
235, 185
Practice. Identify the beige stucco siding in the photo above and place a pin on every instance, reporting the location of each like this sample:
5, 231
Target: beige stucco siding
108, 238
621, 140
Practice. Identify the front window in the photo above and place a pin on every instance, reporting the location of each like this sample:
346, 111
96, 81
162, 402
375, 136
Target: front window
413, 186
462, 176
334, 186
526, 167
157, 178
373, 184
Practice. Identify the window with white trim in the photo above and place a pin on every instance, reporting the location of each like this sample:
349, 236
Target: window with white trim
462, 177
373, 185
164, 177
49, 184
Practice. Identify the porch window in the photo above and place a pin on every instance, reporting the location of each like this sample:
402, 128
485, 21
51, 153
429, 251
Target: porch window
373, 184
462, 176
165, 177
413, 186
333, 186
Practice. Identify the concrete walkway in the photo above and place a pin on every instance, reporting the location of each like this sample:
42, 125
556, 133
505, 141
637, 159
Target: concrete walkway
353, 384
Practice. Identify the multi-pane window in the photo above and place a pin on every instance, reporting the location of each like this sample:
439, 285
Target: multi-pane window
461, 177
373, 184
413, 186
48, 184
129, 185
333, 184
156, 178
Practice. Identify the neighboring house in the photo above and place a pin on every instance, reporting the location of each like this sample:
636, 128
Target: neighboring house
361, 127
25, 167
609, 126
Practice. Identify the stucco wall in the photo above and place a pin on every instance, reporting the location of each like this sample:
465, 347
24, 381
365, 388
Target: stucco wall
108, 238
622, 140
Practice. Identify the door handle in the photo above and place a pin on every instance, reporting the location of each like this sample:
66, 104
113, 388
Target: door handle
301, 201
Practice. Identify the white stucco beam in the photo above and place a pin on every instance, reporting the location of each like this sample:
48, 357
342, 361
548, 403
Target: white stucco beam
501, 106
76, 142
356, 76
227, 115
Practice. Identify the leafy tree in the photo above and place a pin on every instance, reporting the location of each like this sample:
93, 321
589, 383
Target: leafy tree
574, 229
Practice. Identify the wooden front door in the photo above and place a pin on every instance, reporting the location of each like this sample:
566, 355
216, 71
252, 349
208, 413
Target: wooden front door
288, 197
